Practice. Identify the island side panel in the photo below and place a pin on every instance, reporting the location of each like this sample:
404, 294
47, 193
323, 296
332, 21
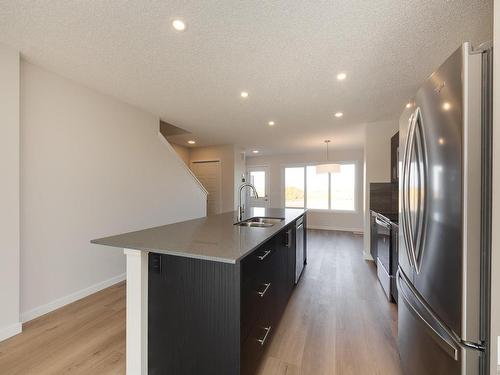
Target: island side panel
194, 316
137, 312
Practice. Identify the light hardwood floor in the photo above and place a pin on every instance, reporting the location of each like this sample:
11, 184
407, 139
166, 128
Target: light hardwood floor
86, 337
337, 322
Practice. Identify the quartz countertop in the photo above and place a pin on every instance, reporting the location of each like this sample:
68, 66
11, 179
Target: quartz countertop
213, 238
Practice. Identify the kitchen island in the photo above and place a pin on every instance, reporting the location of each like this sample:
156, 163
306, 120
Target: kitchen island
204, 296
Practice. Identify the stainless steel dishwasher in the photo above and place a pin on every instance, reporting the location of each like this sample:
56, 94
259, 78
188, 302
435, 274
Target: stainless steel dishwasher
299, 248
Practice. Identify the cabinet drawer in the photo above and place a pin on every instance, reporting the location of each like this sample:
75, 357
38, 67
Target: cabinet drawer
257, 260
257, 304
255, 344
257, 295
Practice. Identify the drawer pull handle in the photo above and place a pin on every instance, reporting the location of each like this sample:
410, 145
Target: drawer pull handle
262, 341
263, 256
261, 294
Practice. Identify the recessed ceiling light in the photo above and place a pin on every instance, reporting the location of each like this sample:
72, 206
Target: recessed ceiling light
271, 123
339, 114
408, 105
179, 24
446, 106
255, 151
191, 142
244, 94
341, 76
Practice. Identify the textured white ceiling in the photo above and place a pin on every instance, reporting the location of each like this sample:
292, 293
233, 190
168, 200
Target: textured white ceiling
285, 53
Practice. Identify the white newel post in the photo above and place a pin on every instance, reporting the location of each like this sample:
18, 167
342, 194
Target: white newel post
137, 312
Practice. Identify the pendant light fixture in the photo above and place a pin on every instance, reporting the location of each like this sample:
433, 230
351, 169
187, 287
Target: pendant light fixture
328, 168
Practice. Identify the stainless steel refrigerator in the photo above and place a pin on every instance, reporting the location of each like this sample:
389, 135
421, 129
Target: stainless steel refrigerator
444, 215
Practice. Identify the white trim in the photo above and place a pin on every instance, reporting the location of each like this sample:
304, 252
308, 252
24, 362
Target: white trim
137, 312
9, 331
181, 162
340, 229
367, 256
63, 301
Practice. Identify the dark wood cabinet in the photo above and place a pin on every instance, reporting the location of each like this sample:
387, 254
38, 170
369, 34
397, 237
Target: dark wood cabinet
395, 158
193, 316
394, 259
207, 317
373, 236
272, 290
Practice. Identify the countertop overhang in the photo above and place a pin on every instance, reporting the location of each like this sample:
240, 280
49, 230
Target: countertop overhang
214, 238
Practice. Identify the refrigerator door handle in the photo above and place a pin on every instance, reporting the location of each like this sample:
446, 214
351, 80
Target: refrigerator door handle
404, 198
440, 334
421, 167
414, 142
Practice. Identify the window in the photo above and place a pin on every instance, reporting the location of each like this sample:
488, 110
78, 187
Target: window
317, 189
304, 187
342, 188
294, 187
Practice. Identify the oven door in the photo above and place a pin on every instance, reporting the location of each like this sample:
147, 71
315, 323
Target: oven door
383, 233
383, 243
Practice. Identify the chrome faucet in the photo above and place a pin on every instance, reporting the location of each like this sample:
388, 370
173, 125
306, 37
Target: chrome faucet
241, 207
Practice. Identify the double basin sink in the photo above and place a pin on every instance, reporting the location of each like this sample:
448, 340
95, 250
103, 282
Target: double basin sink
260, 222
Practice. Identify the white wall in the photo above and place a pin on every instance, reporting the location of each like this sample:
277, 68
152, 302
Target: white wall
91, 166
9, 193
495, 279
316, 219
183, 152
377, 166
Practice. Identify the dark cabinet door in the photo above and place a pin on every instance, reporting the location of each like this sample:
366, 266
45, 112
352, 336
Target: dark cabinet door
264, 298
257, 280
256, 343
373, 238
394, 259
283, 272
193, 321
395, 158
287, 248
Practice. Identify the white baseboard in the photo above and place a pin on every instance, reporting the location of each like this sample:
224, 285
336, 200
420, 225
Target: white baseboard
326, 227
10, 331
63, 301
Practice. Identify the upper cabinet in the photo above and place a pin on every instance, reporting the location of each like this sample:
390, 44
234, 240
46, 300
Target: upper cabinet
395, 158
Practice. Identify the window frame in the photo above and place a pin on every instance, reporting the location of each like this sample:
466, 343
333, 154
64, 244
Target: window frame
329, 209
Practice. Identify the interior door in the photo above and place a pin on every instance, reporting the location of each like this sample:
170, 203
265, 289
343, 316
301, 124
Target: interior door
259, 177
209, 174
